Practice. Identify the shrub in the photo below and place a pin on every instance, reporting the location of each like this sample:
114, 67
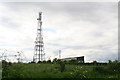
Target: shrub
55, 60
59, 61
65, 61
95, 62
32, 62
39, 61
78, 74
13, 72
49, 61
109, 61
113, 67
6, 64
99, 69
44, 61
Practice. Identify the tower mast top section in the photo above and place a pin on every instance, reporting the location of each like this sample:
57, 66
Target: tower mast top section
39, 16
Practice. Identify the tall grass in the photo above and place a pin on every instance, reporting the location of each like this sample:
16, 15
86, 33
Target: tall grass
51, 70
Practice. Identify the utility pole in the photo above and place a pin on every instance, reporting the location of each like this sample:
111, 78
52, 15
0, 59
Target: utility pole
59, 54
39, 54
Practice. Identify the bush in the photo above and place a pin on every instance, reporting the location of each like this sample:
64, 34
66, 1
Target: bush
44, 61
95, 62
55, 60
6, 64
113, 67
14, 72
59, 61
99, 69
49, 61
39, 61
65, 61
78, 74
32, 62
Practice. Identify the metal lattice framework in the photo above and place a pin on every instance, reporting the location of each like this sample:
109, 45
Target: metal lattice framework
12, 56
39, 54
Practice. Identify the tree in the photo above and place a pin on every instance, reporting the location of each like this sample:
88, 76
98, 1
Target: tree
94, 62
116, 61
44, 61
109, 61
32, 62
55, 60
39, 61
49, 61
59, 61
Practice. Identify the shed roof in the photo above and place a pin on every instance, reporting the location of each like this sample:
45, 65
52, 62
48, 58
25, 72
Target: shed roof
73, 57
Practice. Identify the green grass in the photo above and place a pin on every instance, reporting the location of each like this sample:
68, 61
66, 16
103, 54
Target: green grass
49, 70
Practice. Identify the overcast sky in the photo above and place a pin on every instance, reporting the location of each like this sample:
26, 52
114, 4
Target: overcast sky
87, 29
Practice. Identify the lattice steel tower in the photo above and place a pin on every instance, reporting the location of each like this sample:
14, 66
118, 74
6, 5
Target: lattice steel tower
39, 54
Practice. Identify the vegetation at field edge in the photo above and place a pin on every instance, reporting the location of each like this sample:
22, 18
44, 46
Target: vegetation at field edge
58, 70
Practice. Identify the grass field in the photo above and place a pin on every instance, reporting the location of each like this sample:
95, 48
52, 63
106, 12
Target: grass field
52, 70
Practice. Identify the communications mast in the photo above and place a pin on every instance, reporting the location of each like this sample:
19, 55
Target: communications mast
39, 54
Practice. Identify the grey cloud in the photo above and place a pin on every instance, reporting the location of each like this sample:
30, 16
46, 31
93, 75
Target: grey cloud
101, 56
88, 11
7, 22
